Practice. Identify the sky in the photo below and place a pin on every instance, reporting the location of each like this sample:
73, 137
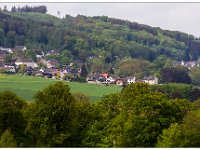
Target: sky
184, 17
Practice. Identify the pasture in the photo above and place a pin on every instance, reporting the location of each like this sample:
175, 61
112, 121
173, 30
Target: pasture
27, 86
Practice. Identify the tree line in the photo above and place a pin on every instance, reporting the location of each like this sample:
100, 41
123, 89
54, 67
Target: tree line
39, 9
134, 117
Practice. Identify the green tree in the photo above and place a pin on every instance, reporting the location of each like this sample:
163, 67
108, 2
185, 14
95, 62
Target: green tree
21, 69
134, 67
7, 140
195, 75
185, 134
11, 41
162, 61
96, 65
84, 71
171, 137
1, 37
11, 116
8, 59
53, 119
148, 113
103, 129
175, 74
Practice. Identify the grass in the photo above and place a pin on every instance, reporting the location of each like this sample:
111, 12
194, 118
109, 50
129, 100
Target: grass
27, 86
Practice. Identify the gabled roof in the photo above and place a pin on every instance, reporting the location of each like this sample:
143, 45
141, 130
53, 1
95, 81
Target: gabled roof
105, 75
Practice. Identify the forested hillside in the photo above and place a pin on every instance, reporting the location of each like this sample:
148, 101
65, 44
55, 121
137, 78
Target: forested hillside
82, 36
103, 44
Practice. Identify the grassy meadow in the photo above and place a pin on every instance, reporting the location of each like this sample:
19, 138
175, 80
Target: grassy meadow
27, 86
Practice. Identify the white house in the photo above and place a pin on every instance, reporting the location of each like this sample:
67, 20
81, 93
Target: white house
111, 79
6, 49
130, 80
28, 63
150, 80
41, 70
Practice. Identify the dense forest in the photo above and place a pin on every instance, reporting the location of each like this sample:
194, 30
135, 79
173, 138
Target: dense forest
100, 42
138, 116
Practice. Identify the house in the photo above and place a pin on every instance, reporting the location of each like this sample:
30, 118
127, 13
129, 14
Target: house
130, 80
6, 50
96, 78
52, 63
150, 80
27, 62
9, 69
111, 79
188, 64
125, 81
191, 64
47, 73
120, 82
38, 73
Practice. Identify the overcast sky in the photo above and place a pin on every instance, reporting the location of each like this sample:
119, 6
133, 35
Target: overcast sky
183, 17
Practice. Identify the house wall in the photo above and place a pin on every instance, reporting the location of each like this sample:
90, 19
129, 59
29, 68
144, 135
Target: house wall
152, 82
29, 64
91, 82
129, 81
120, 83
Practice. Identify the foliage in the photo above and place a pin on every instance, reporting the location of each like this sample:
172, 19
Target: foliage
136, 67
185, 134
7, 140
149, 113
11, 116
175, 75
195, 75
135, 117
53, 122
40, 9
180, 91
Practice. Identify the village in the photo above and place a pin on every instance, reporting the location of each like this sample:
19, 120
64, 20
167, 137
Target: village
52, 69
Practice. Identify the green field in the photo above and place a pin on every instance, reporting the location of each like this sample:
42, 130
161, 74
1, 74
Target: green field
27, 86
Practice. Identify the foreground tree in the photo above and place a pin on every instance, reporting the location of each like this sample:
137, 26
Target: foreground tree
11, 117
53, 118
147, 114
7, 140
186, 134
